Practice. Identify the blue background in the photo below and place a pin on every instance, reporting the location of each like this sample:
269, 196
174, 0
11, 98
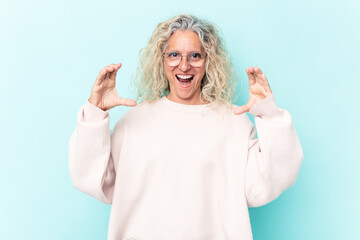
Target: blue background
52, 51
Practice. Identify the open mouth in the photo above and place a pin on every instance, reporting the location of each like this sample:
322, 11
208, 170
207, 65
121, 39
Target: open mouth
184, 80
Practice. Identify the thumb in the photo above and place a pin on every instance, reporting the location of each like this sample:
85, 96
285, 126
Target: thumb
126, 102
241, 109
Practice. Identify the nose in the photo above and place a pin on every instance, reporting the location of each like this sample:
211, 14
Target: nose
184, 64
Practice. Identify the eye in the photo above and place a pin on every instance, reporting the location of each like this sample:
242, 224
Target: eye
195, 55
172, 55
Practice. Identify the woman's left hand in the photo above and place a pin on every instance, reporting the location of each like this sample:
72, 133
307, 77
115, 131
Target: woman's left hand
259, 89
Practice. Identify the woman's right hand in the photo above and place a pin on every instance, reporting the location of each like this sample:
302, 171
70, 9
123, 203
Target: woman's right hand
103, 93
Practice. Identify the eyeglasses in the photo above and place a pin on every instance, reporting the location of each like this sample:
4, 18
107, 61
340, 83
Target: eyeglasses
195, 59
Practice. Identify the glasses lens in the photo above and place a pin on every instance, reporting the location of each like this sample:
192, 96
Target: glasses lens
172, 59
172, 62
197, 63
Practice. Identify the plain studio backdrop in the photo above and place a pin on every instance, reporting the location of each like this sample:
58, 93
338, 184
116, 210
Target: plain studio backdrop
51, 53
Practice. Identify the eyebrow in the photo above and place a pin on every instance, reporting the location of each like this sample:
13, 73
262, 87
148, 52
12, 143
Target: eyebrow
181, 52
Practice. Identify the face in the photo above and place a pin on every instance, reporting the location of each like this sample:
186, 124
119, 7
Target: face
184, 79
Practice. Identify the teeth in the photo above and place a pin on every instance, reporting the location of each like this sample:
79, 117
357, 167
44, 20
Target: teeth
185, 76
185, 83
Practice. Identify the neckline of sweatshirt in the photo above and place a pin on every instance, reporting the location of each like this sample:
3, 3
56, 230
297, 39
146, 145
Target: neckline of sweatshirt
180, 107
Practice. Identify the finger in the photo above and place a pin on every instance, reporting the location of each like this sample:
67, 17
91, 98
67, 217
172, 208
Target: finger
250, 76
105, 72
112, 75
115, 66
261, 78
110, 68
259, 75
251, 70
241, 109
101, 76
107, 75
126, 102
257, 70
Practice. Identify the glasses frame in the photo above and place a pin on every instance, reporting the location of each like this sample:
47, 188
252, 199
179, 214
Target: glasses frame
203, 56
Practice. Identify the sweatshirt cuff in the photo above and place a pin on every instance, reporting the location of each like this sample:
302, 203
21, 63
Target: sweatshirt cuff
92, 113
266, 107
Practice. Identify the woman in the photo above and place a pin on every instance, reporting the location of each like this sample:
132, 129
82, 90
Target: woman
185, 163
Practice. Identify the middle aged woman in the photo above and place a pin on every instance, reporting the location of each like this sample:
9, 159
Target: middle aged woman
185, 163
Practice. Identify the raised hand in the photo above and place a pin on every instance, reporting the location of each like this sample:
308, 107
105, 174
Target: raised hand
103, 93
259, 89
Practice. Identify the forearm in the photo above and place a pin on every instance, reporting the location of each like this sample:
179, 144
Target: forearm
275, 156
90, 161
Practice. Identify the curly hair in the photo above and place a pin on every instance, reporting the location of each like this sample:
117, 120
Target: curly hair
218, 83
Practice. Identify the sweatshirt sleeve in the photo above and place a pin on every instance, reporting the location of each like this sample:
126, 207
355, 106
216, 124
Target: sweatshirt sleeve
91, 154
274, 158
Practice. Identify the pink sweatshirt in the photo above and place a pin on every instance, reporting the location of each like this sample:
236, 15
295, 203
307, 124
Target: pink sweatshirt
184, 172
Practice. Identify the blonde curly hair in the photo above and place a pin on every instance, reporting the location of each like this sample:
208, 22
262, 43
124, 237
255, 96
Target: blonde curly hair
218, 83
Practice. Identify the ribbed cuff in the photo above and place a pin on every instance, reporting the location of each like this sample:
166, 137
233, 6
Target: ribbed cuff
266, 107
92, 113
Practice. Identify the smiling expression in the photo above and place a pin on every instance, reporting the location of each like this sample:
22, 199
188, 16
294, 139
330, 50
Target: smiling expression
184, 79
